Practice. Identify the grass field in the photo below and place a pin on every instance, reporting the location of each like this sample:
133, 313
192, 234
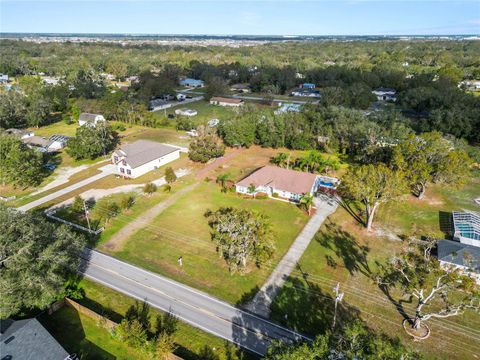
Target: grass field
191, 342
80, 334
182, 230
344, 252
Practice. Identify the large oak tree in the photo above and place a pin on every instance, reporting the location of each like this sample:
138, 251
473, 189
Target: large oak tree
35, 260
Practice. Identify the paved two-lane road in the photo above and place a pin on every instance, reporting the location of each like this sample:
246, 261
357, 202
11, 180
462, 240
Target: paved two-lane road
192, 306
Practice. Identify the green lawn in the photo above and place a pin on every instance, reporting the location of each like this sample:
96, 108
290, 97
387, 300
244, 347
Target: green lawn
190, 340
80, 334
344, 252
182, 230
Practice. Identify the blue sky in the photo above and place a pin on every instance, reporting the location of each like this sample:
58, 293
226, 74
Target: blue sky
283, 17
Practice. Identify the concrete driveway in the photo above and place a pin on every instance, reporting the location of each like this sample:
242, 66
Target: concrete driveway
260, 304
105, 171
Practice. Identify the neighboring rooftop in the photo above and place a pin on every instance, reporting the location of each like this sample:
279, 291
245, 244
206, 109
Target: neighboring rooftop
143, 151
385, 90
88, 117
37, 141
456, 253
28, 340
296, 182
226, 100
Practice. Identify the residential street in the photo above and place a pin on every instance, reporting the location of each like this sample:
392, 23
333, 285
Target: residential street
192, 306
260, 304
105, 171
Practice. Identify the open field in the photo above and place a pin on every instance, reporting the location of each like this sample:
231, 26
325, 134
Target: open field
191, 341
344, 252
182, 230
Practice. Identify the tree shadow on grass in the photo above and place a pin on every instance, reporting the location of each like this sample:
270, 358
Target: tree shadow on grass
346, 248
399, 304
66, 327
352, 208
305, 307
445, 223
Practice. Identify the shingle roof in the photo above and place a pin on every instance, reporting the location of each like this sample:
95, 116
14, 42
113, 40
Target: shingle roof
226, 100
37, 141
296, 182
143, 151
29, 340
454, 252
88, 117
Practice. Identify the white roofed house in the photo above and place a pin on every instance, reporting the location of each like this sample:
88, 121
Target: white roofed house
385, 94
186, 112
90, 119
138, 158
222, 101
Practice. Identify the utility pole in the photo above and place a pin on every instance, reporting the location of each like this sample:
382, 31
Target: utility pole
86, 214
338, 298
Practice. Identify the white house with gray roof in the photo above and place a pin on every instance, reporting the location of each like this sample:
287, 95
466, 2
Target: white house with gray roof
461, 256
90, 119
138, 158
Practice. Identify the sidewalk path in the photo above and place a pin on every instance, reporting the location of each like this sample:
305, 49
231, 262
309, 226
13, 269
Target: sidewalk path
260, 304
105, 171
116, 242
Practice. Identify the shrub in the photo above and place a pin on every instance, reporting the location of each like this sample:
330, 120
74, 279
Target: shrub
170, 176
127, 202
149, 188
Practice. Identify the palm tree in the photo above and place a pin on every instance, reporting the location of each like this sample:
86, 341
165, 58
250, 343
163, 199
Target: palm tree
306, 202
251, 189
222, 180
281, 159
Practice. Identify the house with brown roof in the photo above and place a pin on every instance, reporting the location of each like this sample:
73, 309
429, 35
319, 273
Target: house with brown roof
138, 158
283, 184
222, 101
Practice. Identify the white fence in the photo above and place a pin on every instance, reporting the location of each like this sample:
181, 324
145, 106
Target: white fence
3, 198
50, 215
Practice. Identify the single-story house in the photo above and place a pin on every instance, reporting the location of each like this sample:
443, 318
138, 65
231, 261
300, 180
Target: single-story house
307, 86
472, 85
90, 119
50, 80
181, 97
241, 88
288, 107
3, 78
385, 94
212, 123
466, 227
158, 104
222, 101
138, 158
306, 93
21, 134
38, 143
192, 83
58, 141
457, 255
186, 112
283, 184
28, 340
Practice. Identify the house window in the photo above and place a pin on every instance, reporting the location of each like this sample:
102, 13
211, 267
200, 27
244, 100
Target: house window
115, 158
122, 170
124, 163
129, 172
